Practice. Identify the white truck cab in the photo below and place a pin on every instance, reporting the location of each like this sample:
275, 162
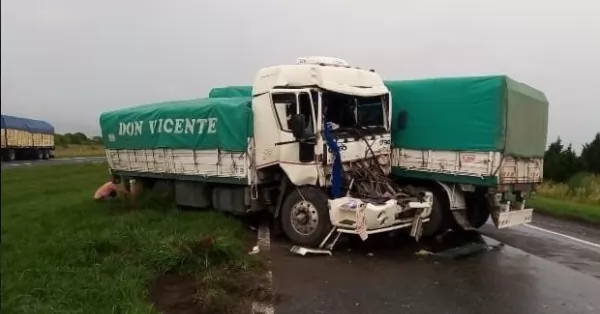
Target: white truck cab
308, 115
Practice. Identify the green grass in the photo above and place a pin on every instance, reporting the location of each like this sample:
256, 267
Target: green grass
64, 253
73, 150
577, 199
566, 209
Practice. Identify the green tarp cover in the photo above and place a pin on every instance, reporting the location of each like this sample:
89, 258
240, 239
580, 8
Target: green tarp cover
230, 91
491, 113
219, 123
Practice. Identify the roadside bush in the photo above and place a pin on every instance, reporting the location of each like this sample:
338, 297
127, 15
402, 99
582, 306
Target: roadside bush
582, 188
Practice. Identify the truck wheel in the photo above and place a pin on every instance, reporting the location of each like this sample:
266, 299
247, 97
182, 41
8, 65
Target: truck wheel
45, 154
440, 216
11, 155
478, 210
38, 154
305, 216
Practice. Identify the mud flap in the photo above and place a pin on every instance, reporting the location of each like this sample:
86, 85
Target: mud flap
507, 219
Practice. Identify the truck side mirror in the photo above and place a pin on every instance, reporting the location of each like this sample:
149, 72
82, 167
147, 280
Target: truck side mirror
297, 126
402, 119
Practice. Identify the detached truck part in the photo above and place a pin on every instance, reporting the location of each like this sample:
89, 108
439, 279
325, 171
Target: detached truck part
477, 142
310, 144
23, 138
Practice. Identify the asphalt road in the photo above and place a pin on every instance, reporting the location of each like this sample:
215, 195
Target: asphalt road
536, 271
56, 161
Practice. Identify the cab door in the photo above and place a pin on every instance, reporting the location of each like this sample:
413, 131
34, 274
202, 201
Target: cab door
297, 156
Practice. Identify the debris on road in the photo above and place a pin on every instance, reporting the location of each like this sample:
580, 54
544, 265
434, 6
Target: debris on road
303, 251
423, 253
255, 250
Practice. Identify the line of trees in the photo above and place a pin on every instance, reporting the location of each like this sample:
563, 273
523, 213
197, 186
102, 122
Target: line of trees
76, 139
561, 163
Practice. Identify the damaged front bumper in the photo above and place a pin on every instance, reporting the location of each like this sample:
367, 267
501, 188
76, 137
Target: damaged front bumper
357, 216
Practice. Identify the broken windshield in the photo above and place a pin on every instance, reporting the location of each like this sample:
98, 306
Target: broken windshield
347, 113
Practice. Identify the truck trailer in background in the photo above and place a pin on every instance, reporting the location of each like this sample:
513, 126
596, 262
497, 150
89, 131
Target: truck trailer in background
23, 138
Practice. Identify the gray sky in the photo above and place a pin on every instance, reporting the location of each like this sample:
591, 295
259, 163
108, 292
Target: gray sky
66, 61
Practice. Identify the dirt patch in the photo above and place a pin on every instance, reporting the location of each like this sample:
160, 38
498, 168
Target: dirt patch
217, 292
175, 293
227, 286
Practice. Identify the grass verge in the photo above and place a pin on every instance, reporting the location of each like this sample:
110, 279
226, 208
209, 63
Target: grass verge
588, 213
79, 151
64, 253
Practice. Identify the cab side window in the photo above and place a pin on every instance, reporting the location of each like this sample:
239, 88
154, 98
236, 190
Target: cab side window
305, 108
286, 105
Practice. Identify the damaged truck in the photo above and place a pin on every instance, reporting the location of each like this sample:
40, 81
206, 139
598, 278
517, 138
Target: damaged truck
310, 143
476, 143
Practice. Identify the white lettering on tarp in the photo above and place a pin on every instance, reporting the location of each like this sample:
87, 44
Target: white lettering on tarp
201, 124
212, 125
152, 126
169, 126
131, 128
189, 126
179, 126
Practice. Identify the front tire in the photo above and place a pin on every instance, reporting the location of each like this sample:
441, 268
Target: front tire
305, 216
440, 218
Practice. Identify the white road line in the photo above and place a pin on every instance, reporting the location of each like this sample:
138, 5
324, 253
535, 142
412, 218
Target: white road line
264, 244
596, 245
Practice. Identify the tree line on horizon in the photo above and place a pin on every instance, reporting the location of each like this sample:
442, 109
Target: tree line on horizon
562, 162
78, 138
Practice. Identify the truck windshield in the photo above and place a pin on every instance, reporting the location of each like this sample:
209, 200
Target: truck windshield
348, 113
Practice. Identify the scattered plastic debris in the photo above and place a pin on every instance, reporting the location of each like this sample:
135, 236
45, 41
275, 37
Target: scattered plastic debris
255, 250
423, 253
303, 251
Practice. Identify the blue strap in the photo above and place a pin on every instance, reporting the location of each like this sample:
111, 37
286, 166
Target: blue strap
337, 169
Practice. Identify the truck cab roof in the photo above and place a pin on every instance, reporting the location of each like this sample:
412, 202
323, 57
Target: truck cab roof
335, 78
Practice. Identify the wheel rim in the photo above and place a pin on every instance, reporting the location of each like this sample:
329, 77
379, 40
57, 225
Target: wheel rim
304, 218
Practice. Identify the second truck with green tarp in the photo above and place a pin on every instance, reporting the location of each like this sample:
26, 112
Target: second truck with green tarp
477, 142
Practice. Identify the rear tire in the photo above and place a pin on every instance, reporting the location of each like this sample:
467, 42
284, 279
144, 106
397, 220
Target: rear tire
305, 216
38, 154
45, 154
478, 210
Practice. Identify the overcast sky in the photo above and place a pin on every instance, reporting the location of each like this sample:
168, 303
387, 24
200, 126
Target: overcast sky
66, 61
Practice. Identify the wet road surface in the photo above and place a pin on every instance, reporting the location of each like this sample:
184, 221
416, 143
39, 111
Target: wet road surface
573, 253
535, 272
57, 161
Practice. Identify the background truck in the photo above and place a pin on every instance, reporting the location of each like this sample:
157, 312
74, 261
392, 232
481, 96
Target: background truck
476, 143
310, 143
23, 138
